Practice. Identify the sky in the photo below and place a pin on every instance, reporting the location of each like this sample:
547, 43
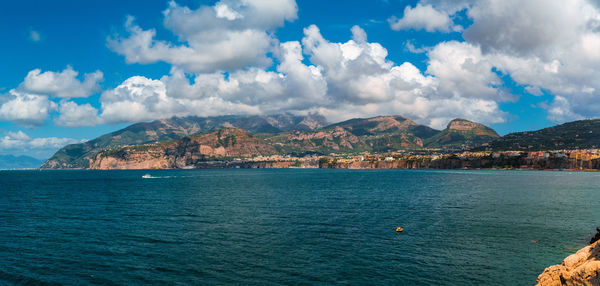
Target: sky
73, 70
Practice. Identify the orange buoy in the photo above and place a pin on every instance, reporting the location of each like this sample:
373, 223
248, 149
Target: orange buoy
534, 241
399, 229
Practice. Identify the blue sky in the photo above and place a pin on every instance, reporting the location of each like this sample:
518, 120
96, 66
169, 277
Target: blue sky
510, 65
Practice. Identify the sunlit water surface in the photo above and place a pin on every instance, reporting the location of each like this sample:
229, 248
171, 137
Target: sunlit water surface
291, 226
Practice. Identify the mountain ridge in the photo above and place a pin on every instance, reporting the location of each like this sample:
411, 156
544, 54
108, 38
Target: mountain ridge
285, 134
77, 156
372, 135
462, 133
19, 162
580, 134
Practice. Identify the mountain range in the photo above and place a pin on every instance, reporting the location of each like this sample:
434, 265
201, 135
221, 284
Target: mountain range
19, 162
179, 140
582, 134
77, 156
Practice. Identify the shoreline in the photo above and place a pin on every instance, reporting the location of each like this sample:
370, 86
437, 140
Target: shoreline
313, 168
580, 268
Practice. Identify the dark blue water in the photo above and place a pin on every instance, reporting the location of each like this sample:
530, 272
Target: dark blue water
291, 226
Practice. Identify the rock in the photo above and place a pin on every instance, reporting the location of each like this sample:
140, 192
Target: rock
596, 237
581, 268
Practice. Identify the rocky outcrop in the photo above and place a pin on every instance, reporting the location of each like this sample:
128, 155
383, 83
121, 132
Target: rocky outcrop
596, 237
76, 156
581, 268
185, 152
462, 125
462, 134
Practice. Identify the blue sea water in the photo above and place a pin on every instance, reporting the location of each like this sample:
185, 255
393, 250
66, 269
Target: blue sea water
291, 226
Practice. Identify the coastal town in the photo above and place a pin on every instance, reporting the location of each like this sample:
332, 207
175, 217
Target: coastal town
581, 160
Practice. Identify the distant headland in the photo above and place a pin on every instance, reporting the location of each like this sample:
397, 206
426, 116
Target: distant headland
289, 141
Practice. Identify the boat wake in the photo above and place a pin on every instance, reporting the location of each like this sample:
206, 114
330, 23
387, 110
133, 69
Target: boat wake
148, 176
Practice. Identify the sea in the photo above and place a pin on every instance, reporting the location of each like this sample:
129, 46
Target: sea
291, 226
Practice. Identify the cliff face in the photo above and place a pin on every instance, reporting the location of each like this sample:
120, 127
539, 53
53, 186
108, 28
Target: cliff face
377, 134
188, 151
462, 133
76, 156
179, 148
581, 268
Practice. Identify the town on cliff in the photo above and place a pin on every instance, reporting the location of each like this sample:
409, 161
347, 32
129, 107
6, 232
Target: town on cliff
287, 141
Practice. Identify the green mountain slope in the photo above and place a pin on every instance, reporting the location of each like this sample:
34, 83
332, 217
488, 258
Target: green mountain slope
583, 134
377, 134
381, 134
284, 134
78, 155
461, 134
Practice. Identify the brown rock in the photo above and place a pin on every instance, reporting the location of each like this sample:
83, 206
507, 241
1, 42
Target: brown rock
581, 268
596, 237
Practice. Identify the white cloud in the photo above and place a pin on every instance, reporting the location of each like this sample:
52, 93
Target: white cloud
138, 98
449, 7
62, 84
21, 143
424, 17
411, 48
344, 80
223, 11
463, 70
74, 115
561, 110
34, 36
30, 104
534, 90
232, 34
362, 82
25, 109
545, 45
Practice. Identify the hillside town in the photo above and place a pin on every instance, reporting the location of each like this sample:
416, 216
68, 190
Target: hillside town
583, 160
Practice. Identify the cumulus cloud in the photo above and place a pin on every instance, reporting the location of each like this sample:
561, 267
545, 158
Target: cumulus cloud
74, 115
462, 69
542, 45
43, 147
363, 82
211, 36
424, 17
62, 84
343, 80
25, 109
547, 45
31, 103
140, 98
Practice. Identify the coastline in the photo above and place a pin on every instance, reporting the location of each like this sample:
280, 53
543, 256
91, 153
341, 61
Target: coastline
132, 158
266, 165
580, 268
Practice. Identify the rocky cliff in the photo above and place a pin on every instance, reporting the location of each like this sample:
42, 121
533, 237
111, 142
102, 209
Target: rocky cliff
581, 268
461, 134
382, 134
185, 152
76, 156
375, 135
